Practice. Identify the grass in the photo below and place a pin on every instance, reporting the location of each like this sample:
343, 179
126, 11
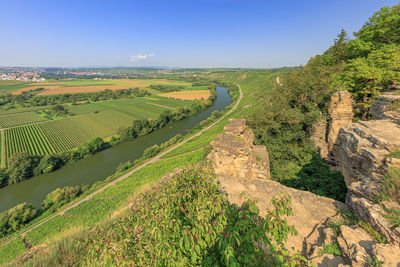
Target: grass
391, 185
332, 249
394, 154
351, 219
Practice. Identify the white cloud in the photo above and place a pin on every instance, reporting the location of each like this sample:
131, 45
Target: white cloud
140, 57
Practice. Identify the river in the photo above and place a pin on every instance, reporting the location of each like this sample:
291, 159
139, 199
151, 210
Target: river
102, 164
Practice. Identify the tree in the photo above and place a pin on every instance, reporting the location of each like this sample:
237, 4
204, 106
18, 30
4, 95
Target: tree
339, 51
367, 76
48, 164
382, 28
21, 167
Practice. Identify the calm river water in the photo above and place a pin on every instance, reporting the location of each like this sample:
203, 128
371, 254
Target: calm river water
103, 164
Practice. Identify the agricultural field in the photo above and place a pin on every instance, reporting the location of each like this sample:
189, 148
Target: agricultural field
52, 87
188, 94
12, 86
23, 130
20, 118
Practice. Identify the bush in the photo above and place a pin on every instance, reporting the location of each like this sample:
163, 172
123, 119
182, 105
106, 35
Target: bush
187, 221
15, 218
124, 166
151, 151
61, 196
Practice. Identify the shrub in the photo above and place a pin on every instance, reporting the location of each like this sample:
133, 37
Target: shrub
124, 166
14, 218
61, 196
187, 221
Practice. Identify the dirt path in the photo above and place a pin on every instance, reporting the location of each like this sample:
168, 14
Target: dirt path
123, 177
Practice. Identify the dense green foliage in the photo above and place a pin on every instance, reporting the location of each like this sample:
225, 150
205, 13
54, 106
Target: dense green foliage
166, 88
187, 221
283, 121
373, 57
15, 218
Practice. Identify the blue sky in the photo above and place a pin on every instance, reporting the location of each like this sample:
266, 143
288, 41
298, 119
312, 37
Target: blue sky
201, 33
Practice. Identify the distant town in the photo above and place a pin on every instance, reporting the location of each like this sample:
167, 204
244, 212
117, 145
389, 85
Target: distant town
21, 74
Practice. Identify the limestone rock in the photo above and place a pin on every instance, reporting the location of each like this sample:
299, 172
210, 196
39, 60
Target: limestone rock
340, 115
318, 138
389, 255
359, 248
356, 245
361, 153
239, 166
235, 155
381, 109
373, 214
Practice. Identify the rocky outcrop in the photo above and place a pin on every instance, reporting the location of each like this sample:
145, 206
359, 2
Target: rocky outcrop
235, 155
382, 108
362, 150
318, 138
360, 249
340, 115
240, 173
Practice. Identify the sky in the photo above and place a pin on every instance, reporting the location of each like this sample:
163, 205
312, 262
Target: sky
170, 33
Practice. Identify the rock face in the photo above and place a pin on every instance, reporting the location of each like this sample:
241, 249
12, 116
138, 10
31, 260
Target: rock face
318, 138
362, 148
381, 109
235, 155
357, 246
340, 115
234, 159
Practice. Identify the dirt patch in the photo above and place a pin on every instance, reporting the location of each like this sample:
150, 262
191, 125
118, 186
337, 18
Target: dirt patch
188, 95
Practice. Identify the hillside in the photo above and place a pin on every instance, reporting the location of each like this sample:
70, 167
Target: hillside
301, 168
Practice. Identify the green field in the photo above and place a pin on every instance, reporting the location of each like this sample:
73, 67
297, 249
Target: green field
11, 86
23, 130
